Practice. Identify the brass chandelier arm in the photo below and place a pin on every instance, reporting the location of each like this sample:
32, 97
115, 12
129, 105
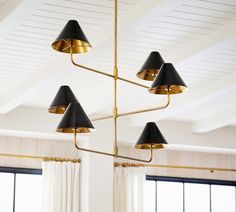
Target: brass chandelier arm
88, 68
148, 109
135, 112
110, 154
90, 150
105, 74
137, 159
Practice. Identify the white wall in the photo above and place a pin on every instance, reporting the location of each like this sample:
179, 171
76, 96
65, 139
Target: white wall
101, 170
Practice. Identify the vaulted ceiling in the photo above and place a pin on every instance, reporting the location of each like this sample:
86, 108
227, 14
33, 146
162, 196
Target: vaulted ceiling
197, 36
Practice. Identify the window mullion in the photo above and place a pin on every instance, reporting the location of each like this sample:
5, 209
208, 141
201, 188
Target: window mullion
183, 197
14, 193
210, 198
156, 198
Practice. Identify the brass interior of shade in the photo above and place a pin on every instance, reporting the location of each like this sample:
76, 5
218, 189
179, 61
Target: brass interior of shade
78, 130
78, 46
149, 74
163, 89
57, 110
148, 146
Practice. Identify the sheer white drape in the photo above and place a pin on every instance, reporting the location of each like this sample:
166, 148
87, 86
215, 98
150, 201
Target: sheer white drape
129, 189
60, 187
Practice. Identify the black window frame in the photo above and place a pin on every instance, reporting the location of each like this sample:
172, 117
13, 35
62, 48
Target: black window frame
191, 180
15, 171
183, 180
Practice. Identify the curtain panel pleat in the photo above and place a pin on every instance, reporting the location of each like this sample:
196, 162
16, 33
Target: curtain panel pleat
129, 189
60, 187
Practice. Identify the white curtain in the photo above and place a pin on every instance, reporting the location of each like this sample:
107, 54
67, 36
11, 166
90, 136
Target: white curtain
60, 187
129, 189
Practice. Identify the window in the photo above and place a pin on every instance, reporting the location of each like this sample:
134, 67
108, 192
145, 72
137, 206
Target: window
166, 194
164, 198
20, 190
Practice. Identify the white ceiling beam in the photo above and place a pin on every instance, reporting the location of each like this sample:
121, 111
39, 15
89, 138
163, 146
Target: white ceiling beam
11, 15
215, 121
226, 32
21, 92
15, 12
7, 8
189, 100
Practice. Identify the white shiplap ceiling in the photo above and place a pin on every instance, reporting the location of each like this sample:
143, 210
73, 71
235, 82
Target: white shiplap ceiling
198, 36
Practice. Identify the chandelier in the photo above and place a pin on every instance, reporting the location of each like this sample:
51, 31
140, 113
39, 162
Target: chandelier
166, 81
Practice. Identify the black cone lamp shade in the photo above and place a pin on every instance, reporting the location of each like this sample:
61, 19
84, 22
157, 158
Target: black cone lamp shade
75, 120
168, 79
151, 137
72, 35
62, 99
151, 67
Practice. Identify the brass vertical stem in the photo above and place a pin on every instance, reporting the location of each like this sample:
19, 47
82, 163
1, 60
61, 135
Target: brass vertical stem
115, 78
115, 31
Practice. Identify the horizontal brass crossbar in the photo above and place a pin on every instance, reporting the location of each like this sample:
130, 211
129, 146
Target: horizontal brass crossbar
134, 112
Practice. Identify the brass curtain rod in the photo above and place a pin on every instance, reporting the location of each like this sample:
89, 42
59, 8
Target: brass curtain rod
44, 158
211, 169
